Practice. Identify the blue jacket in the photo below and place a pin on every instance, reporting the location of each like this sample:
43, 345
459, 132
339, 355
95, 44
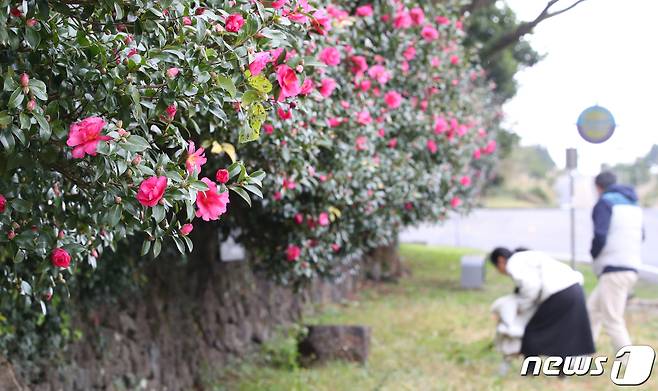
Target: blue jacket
618, 232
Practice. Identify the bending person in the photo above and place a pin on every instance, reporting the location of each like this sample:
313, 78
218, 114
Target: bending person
560, 326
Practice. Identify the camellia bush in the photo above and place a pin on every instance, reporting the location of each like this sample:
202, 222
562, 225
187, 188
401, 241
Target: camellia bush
104, 105
398, 128
142, 120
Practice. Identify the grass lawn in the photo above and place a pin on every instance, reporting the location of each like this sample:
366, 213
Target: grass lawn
427, 334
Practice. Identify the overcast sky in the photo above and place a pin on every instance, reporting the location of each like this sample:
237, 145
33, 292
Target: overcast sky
602, 52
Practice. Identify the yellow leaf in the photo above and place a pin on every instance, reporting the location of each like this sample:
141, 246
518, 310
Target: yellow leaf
334, 211
226, 148
230, 151
216, 148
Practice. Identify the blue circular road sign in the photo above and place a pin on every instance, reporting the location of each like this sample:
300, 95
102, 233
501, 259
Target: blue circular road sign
596, 124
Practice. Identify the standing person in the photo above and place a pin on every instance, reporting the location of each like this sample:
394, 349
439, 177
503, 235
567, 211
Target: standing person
560, 325
616, 250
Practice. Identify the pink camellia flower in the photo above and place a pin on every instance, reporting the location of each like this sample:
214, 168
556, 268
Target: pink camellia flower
334, 122
11, 235
345, 104
330, 56
392, 143
364, 85
151, 190
379, 73
222, 175
435, 62
409, 205
361, 143
85, 135
321, 22
187, 21
409, 53
455, 202
299, 218
234, 23
307, 86
491, 147
381, 132
442, 20
441, 125
431, 146
293, 252
477, 154
393, 99
288, 81
323, 219
417, 16
211, 204
363, 117
171, 112
3, 203
465, 181
172, 72
459, 24
195, 158
364, 10
462, 130
15, 11
284, 114
335, 247
268, 128
405, 67
429, 33
327, 87
277, 4
402, 20
260, 62
186, 229
289, 184
60, 258
359, 65
454, 59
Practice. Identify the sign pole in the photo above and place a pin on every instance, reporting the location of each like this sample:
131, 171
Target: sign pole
572, 164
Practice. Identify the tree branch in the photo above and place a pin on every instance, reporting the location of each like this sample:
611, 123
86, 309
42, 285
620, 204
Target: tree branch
525, 28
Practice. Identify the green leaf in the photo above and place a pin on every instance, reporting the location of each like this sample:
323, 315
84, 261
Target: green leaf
242, 193
32, 37
5, 119
253, 189
158, 213
114, 215
179, 245
198, 185
44, 127
7, 140
16, 98
146, 246
135, 143
227, 84
38, 88
157, 247
250, 96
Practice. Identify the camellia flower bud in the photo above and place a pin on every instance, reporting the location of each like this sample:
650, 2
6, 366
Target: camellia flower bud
136, 160
31, 22
24, 79
31, 105
172, 72
117, 200
11, 235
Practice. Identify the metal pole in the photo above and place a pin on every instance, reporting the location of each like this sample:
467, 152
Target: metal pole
573, 219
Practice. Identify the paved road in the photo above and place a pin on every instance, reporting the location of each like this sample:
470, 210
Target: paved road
539, 229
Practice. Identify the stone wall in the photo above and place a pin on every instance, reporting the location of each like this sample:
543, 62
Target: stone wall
189, 321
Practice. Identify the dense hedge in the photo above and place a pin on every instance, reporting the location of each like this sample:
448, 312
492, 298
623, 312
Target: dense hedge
135, 120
